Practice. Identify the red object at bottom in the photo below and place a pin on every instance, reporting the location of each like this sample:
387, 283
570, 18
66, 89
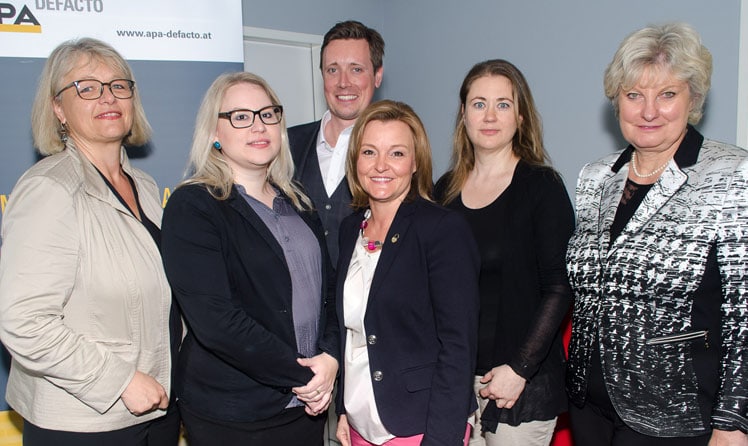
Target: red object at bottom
562, 436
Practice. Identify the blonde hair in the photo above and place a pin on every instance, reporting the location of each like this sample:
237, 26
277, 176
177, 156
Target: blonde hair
207, 166
46, 129
421, 183
675, 47
527, 142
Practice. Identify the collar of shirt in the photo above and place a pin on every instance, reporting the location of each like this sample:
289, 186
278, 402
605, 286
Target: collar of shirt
332, 159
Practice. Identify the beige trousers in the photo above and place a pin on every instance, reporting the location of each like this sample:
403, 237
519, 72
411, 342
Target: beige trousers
533, 433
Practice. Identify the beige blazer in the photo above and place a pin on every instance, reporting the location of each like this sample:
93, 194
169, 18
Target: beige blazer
84, 300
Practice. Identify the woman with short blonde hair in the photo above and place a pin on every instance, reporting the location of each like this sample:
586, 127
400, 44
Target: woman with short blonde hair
658, 262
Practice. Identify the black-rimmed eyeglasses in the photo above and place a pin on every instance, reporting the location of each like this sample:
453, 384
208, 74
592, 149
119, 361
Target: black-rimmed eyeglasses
91, 89
243, 118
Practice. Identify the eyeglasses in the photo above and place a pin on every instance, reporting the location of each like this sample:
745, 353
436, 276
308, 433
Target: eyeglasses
91, 89
243, 118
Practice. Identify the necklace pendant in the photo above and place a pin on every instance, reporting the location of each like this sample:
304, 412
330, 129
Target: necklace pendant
370, 245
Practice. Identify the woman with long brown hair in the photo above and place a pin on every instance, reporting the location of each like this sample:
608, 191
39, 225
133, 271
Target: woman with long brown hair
521, 217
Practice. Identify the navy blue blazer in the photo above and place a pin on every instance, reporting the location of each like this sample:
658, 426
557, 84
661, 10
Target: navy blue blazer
230, 278
421, 321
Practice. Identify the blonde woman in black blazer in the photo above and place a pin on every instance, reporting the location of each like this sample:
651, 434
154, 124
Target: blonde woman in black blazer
249, 267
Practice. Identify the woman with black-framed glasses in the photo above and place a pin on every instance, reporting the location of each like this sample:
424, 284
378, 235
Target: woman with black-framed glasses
85, 306
247, 258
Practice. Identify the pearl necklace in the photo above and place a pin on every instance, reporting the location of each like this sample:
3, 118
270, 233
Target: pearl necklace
370, 245
650, 174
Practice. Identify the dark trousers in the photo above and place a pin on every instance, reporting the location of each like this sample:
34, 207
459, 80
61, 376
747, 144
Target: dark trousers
162, 431
292, 427
592, 426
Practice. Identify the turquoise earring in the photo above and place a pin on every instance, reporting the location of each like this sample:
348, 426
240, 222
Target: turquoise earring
217, 145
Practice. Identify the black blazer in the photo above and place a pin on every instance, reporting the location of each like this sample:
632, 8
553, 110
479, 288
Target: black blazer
229, 275
421, 321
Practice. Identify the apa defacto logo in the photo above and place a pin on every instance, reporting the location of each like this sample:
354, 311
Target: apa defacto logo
70, 5
18, 20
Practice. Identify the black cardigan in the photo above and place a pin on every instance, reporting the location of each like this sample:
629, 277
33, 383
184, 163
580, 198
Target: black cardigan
525, 294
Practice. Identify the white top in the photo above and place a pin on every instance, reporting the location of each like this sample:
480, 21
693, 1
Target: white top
332, 159
360, 405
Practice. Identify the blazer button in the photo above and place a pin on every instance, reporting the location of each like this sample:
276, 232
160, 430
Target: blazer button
328, 207
377, 375
371, 339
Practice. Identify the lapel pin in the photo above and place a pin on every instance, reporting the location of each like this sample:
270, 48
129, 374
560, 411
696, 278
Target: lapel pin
394, 238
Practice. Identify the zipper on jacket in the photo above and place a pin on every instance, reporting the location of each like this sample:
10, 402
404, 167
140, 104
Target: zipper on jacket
680, 337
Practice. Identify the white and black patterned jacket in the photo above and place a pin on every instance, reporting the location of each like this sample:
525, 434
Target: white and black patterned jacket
674, 354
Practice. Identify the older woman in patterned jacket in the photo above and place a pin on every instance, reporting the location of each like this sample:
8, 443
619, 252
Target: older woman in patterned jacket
659, 262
